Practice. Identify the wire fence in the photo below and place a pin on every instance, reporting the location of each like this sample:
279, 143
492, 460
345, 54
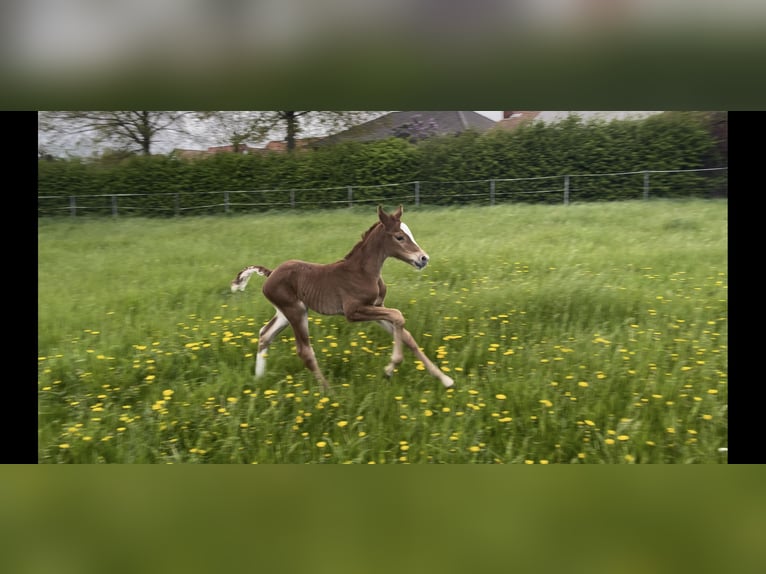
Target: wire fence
555, 189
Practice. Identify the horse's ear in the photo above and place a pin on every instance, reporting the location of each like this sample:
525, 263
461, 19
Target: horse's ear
386, 218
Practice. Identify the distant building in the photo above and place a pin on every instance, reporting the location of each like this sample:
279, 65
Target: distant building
442, 122
272, 146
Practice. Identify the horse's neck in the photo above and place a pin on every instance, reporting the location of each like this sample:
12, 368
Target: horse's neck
368, 254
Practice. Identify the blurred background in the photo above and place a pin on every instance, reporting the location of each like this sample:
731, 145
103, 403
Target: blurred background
373, 54
618, 519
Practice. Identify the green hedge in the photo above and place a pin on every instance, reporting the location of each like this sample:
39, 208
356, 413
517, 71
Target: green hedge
451, 169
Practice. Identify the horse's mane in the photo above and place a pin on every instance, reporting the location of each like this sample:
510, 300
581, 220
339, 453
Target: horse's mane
366, 234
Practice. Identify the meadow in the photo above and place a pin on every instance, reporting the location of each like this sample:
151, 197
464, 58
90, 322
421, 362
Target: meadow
589, 333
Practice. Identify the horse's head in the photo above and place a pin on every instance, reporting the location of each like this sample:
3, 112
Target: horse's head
399, 240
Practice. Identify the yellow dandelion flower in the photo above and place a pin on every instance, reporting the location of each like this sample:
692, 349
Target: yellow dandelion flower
623, 437
322, 444
64, 445
428, 412
543, 461
546, 403
590, 423
583, 384
474, 448
500, 397
342, 424
505, 420
243, 425
609, 441
527, 461
630, 458
581, 455
707, 417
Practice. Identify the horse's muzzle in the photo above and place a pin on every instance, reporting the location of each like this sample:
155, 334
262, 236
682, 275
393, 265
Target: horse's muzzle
421, 262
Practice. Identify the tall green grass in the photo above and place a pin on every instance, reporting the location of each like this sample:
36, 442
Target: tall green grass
591, 333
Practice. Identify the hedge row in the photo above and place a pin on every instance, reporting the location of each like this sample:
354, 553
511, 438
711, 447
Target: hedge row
670, 141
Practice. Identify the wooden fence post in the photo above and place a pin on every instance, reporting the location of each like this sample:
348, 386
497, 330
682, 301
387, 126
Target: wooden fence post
646, 185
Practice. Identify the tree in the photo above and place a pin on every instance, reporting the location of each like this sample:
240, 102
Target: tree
416, 130
237, 128
128, 131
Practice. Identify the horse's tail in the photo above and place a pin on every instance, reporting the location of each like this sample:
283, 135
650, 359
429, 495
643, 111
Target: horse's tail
240, 281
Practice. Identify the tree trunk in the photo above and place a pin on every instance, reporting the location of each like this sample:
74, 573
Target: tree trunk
292, 129
145, 133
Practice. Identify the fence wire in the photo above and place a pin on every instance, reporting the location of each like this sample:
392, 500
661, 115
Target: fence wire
704, 182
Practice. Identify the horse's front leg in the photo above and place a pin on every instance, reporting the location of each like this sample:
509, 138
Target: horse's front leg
409, 340
397, 355
391, 319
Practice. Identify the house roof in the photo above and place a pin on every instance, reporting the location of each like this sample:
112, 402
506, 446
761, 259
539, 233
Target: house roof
446, 123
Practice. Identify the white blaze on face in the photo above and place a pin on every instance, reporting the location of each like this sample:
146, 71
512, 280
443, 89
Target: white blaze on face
406, 230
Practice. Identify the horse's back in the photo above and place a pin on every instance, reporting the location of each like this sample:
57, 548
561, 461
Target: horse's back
312, 284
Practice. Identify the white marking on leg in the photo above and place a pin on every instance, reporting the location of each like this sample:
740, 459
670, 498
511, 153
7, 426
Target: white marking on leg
260, 363
265, 337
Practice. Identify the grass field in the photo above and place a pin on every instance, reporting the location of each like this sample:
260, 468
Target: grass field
591, 333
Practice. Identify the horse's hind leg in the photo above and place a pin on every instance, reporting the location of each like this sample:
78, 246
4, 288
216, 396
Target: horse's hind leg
299, 320
265, 337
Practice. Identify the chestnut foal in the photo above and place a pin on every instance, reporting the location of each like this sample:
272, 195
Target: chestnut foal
351, 287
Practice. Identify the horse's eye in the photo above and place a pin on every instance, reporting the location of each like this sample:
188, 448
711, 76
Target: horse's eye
400, 237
